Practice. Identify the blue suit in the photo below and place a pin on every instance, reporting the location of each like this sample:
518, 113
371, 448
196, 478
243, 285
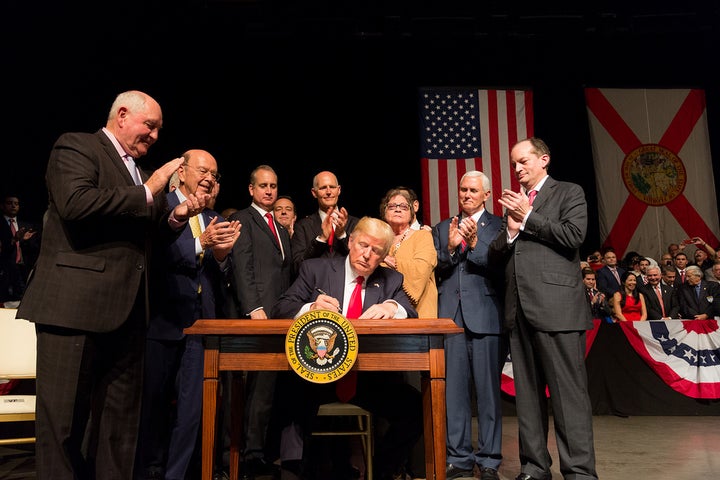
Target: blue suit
606, 281
467, 294
183, 290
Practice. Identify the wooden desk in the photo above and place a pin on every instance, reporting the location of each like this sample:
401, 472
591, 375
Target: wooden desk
385, 345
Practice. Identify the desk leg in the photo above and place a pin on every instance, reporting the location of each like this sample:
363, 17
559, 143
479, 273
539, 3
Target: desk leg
428, 427
209, 417
439, 432
236, 419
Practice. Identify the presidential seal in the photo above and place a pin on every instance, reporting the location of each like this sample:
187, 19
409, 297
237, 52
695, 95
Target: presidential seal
654, 174
321, 346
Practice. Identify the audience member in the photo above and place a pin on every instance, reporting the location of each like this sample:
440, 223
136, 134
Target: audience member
599, 306
412, 253
19, 248
642, 265
702, 258
382, 393
87, 295
608, 276
186, 277
698, 298
672, 249
262, 271
629, 261
546, 314
660, 300
666, 259
323, 233
712, 274
469, 293
595, 260
628, 302
284, 212
681, 262
669, 274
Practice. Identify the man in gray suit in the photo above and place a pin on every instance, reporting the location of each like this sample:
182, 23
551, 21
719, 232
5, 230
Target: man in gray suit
467, 294
546, 314
88, 297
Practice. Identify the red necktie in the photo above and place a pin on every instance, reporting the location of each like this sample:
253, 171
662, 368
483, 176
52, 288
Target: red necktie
13, 231
331, 238
345, 387
531, 196
271, 224
659, 295
682, 276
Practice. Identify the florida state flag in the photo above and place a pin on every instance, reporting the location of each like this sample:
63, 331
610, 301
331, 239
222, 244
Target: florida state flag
653, 168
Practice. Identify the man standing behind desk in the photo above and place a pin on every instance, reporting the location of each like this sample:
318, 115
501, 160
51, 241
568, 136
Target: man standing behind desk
87, 296
187, 277
262, 270
546, 314
324, 233
468, 295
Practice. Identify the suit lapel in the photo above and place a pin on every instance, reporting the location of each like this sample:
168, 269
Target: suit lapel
544, 193
117, 160
263, 225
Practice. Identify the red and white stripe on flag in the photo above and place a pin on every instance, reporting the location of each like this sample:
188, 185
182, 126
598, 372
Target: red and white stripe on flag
464, 129
653, 168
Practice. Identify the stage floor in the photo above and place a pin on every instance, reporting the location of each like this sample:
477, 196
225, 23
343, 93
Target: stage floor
661, 448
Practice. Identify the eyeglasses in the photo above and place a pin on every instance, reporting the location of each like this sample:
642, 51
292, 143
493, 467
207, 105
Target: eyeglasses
402, 206
204, 172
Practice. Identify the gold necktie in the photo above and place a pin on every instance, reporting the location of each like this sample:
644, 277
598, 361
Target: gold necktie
197, 231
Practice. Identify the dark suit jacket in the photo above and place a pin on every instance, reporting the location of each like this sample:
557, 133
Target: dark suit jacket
304, 241
465, 279
329, 275
652, 304
260, 273
606, 281
176, 275
96, 240
541, 265
709, 302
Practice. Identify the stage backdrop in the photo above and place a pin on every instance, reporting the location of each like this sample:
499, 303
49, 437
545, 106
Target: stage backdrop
653, 169
465, 129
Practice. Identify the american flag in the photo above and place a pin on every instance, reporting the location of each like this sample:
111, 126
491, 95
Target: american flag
464, 129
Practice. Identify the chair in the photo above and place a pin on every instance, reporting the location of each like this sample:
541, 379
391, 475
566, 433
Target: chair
17, 361
364, 428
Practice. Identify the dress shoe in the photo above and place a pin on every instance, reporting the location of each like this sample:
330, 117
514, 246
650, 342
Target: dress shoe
487, 473
256, 467
452, 472
525, 476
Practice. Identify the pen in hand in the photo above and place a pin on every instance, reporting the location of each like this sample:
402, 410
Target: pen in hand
322, 292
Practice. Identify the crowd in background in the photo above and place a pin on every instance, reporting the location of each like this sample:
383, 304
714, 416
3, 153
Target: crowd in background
641, 288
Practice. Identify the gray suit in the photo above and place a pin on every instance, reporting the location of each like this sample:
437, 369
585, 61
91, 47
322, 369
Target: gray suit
468, 295
547, 314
